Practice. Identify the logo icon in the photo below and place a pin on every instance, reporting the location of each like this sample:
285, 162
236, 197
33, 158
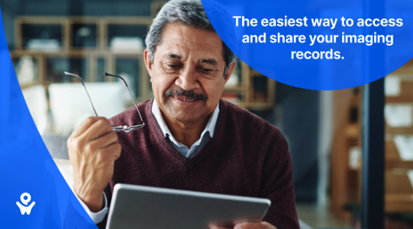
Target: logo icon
25, 208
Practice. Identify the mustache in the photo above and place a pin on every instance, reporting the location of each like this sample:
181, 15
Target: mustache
191, 93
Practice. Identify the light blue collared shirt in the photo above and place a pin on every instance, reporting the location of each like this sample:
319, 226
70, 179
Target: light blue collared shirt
206, 135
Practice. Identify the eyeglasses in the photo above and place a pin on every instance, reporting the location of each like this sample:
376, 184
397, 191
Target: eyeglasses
125, 128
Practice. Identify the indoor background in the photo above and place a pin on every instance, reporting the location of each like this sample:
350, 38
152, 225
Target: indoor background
323, 128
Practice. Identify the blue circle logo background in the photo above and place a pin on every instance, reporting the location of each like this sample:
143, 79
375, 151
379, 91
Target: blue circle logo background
343, 65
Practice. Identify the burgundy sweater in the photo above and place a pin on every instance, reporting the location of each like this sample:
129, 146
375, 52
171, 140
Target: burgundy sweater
247, 156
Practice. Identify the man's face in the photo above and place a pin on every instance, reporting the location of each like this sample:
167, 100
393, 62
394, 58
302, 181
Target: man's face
187, 73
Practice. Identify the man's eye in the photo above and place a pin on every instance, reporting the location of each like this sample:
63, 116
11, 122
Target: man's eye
205, 70
173, 66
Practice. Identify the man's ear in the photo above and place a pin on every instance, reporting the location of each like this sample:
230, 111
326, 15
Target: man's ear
229, 71
148, 62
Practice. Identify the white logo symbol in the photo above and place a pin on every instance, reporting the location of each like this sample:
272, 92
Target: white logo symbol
25, 199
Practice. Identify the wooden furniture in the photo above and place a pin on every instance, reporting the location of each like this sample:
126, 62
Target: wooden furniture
84, 47
399, 191
345, 179
345, 160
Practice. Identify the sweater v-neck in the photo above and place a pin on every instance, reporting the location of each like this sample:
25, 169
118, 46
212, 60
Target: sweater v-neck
167, 147
247, 156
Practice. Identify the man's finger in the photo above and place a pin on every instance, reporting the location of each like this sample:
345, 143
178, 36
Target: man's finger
114, 150
104, 141
97, 129
85, 125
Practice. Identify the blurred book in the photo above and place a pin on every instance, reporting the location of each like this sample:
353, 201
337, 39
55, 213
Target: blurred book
126, 44
392, 86
398, 115
43, 44
404, 145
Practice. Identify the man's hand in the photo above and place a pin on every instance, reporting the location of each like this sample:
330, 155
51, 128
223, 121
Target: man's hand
93, 148
261, 225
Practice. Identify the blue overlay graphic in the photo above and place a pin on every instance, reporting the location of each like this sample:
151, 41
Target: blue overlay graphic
28, 174
321, 71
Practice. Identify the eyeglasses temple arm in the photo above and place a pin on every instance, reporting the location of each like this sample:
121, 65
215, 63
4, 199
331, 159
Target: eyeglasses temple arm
130, 93
83, 83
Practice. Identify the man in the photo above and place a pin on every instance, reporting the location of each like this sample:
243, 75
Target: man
192, 140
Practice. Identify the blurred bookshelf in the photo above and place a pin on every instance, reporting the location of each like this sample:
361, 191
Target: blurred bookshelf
88, 46
345, 161
346, 151
399, 142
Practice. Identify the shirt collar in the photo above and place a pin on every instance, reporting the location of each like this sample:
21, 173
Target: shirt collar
209, 128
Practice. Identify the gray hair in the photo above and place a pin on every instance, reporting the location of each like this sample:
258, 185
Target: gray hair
187, 12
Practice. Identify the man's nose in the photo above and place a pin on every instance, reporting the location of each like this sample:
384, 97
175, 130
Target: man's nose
188, 78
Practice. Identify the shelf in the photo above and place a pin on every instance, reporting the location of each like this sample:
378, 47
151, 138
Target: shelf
56, 66
353, 130
405, 69
100, 69
76, 52
127, 38
239, 88
393, 159
399, 130
406, 94
90, 46
399, 203
35, 33
399, 190
156, 7
129, 69
24, 86
399, 164
391, 150
84, 35
257, 105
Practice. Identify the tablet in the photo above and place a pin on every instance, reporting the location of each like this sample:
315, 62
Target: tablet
135, 206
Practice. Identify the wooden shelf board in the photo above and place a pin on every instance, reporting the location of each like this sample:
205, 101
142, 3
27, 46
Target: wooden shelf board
399, 99
234, 88
257, 105
399, 203
399, 130
27, 85
400, 164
